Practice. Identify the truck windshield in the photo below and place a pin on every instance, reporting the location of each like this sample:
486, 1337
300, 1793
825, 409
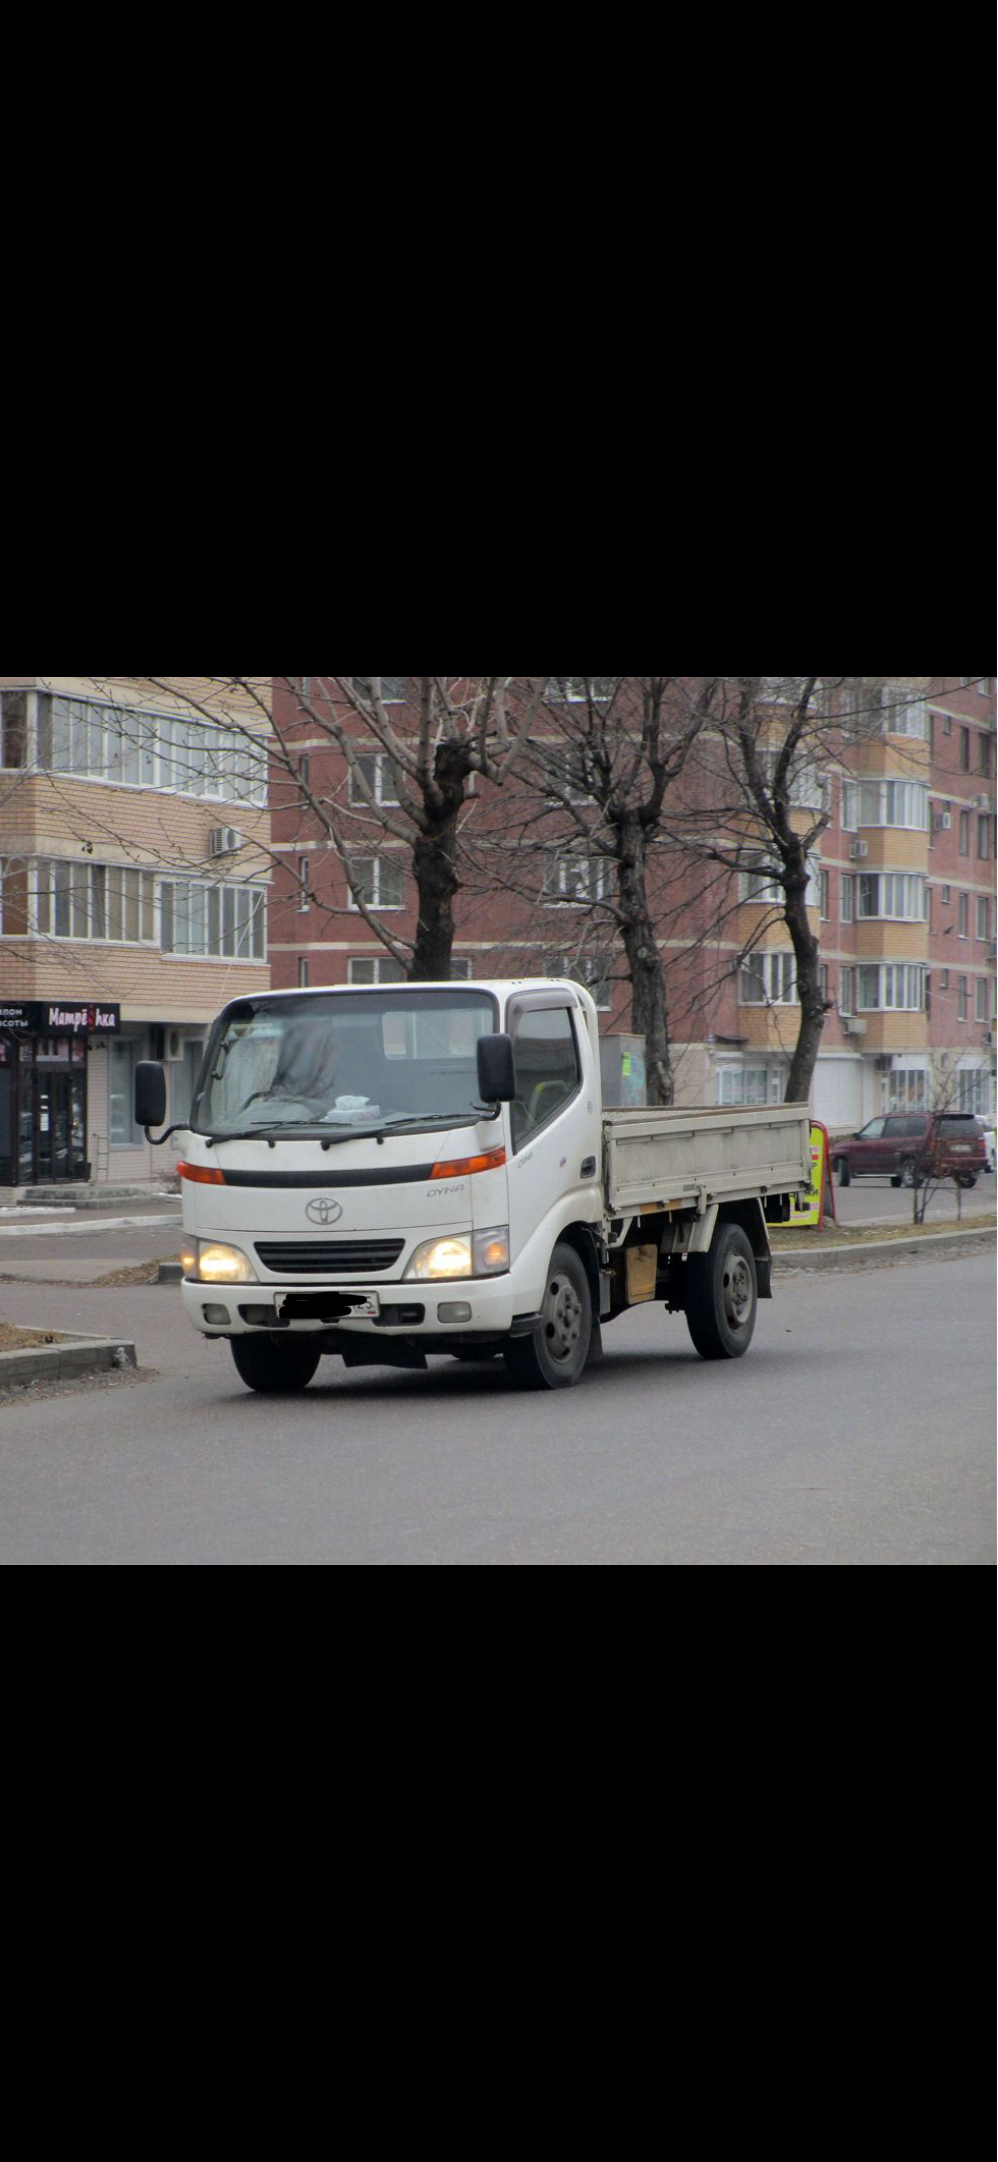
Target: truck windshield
368, 1061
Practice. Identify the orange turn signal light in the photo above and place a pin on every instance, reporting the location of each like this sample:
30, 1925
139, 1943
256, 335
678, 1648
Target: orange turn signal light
203, 1174
461, 1165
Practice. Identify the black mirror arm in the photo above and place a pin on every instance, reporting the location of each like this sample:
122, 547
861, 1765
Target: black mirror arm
156, 1140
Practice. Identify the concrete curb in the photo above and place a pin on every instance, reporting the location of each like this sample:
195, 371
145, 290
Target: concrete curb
839, 1257
63, 1361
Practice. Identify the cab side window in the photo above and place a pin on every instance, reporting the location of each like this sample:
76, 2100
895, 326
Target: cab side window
547, 1069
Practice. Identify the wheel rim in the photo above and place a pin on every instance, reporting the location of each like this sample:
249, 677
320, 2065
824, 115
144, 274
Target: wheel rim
736, 1284
562, 1317
908, 1174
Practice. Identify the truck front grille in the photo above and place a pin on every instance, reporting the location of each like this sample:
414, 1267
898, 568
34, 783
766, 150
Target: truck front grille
327, 1257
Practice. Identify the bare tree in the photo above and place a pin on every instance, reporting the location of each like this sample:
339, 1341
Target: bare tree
591, 794
767, 766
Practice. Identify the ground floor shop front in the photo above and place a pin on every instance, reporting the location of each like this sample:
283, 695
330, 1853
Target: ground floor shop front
67, 1074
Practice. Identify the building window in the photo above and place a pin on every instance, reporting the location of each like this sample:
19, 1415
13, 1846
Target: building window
974, 1091
13, 729
381, 881
374, 770
303, 770
94, 900
578, 690
984, 753
891, 987
573, 876
944, 896
982, 839
848, 897
303, 882
961, 998
390, 689
965, 833
981, 996
904, 714
965, 750
767, 979
213, 922
982, 917
885, 803
962, 913
742, 1085
823, 889
379, 968
756, 884
145, 750
302, 970
847, 977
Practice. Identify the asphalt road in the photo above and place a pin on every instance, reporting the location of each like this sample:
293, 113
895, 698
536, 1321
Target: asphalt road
858, 1431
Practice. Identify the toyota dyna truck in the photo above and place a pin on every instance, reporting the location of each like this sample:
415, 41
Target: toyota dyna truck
383, 1173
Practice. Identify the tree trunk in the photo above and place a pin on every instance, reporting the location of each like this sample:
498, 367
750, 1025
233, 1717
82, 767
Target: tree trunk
812, 1005
649, 1008
434, 863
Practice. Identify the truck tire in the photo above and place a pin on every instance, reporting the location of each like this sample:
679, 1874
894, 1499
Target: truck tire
274, 1368
555, 1356
722, 1295
907, 1175
841, 1166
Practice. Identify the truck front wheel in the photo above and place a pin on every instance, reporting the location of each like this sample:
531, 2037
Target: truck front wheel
274, 1368
554, 1357
721, 1295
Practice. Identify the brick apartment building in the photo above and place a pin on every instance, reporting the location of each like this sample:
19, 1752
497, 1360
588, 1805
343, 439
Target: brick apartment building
133, 880
902, 897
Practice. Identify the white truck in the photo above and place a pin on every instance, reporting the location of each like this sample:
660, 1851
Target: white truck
379, 1174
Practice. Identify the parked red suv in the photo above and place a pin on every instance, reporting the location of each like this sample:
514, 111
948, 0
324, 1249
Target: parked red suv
909, 1146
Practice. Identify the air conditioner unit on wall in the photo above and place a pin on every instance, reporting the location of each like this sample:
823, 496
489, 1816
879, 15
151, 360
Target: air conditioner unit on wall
944, 822
851, 1026
223, 840
857, 850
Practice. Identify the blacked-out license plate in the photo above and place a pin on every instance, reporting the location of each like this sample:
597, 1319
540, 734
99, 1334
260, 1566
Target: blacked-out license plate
327, 1305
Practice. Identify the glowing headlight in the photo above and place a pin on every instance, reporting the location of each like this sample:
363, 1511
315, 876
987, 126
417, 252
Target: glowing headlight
486, 1253
217, 1264
441, 1258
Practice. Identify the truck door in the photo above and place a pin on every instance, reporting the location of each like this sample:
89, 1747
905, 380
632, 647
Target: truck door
554, 1119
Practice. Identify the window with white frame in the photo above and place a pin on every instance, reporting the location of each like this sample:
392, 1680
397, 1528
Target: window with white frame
13, 729
213, 922
895, 987
462, 968
578, 690
756, 884
963, 915
974, 1090
122, 745
573, 875
391, 689
898, 895
824, 888
903, 712
981, 998
848, 897
847, 990
982, 917
374, 968
767, 979
907, 1089
566, 771
109, 901
742, 1085
381, 880
375, 770
885, 803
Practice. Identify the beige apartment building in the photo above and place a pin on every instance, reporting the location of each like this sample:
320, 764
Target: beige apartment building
134, 865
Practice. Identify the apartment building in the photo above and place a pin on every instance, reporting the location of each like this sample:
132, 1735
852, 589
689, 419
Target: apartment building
902, 899
134, 869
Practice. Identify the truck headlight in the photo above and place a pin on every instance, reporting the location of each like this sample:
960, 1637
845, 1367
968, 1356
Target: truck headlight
218, 1264
485, 1253
441, 1258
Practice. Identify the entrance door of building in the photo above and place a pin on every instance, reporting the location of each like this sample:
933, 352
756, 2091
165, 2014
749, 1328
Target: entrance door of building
59, 1126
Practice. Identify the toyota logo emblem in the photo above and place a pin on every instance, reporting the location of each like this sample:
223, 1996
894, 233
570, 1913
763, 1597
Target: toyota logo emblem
323, 1212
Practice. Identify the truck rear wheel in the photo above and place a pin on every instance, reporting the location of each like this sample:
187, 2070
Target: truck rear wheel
555, 1356
274, 1368
722, 1295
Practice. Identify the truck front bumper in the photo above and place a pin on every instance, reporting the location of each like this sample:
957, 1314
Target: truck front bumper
470, 1306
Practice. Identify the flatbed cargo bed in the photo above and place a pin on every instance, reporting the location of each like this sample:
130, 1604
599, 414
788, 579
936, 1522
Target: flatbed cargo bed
667, 1157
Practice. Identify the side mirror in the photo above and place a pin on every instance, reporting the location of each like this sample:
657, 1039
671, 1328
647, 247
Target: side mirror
150, 1093
496, 1077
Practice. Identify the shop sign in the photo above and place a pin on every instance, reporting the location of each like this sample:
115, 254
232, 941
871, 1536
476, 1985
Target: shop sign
51, 1017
